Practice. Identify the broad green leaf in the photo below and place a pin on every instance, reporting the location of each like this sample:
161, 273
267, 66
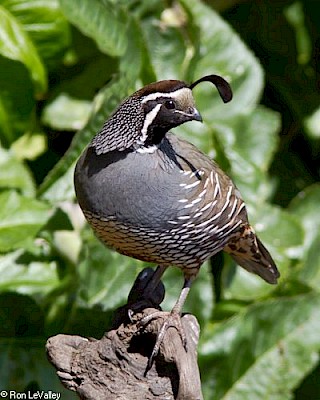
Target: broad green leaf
221, 51
14, 174
312, 124
136, 56
248, 143
45, 25
106, 277
25, 275
282, 231
102, 21
305, 207
254, 136
76, 94
169, 48
262, 353
20, 220
55, 115
310, 272
29, 146
58, 185
16, 100
283, 236
15, 44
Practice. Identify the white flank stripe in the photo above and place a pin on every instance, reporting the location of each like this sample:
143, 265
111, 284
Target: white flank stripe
191, 185
207, 206
202, 193
240, 208
233, 207
206, 183
217, 189
223, 234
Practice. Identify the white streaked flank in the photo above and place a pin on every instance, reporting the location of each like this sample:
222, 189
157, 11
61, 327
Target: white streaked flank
191, 185
217, 188
233, 207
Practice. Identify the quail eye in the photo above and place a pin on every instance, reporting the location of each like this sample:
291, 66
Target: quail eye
170, 104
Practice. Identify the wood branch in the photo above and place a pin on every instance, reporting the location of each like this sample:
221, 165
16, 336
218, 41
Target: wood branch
114, 367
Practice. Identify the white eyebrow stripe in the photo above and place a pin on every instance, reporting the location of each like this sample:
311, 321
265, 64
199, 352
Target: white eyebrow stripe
175, 94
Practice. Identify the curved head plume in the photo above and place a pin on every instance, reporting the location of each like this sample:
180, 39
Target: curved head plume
221, 84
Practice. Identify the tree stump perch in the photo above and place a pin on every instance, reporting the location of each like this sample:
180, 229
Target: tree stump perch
114, 367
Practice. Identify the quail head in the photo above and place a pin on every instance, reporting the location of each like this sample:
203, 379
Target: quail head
154, 196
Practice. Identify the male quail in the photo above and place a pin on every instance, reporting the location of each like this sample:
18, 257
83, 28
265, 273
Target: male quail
155, 197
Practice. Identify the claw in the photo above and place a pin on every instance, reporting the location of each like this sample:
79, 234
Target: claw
173, 320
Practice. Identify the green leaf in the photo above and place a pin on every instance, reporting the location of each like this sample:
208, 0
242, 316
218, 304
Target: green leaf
54, 114
16, 45
16, 100
76, 93
106, 276
264, 352
102, 21
14, 174
29, 146
136, 56
255, 136
24, 275
20, 220
283, 236
305, 207
310, 272
221, 51
45, 24
312, 124
168, 45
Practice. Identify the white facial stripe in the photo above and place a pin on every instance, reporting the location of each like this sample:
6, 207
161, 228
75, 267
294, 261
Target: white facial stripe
175, 94
147, 122
182, 112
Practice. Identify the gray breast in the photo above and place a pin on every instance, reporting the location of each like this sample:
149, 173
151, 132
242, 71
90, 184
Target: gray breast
171, 206
137, 188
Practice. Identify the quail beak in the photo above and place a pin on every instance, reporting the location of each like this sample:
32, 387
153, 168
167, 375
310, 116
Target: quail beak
192, 114
196, 116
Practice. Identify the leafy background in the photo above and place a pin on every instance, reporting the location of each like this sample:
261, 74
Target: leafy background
64, 66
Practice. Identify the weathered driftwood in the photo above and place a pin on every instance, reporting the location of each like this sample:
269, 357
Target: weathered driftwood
115, 367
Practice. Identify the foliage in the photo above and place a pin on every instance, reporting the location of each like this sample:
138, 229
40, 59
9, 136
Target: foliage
64, 66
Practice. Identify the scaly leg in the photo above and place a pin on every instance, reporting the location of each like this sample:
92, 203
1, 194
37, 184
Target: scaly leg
173, 320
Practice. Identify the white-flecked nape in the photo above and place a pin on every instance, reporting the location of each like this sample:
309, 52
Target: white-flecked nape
179, 93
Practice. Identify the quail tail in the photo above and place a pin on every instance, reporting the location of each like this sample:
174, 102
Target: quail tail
249, 252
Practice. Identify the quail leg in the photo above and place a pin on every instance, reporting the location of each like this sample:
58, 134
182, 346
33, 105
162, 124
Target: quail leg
173, 320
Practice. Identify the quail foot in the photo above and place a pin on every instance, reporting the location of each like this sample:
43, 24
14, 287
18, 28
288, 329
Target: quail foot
153, 196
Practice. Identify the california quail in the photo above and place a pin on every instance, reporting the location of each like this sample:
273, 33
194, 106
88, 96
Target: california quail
155, 197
